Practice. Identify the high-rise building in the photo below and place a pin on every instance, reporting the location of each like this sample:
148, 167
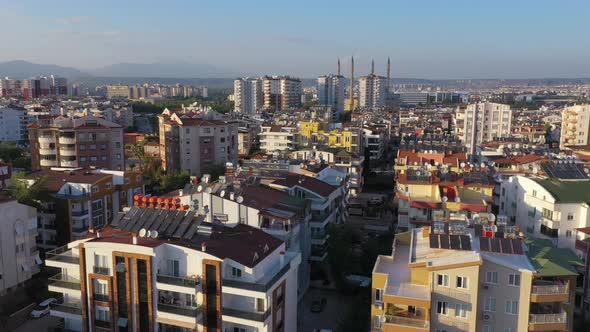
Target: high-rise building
482, 122
79, 142
58, 86
248, 95
13, 124
372, 90
331, 93
575, 125
10, 87
196, 144
281, 92
192, 276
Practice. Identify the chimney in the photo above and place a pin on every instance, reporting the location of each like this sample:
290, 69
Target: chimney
282, 257
425, 232
134, 238
203, 246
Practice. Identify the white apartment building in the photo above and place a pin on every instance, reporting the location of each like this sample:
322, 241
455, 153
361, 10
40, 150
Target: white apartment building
575, 125
177, 274
19, 257
547, 208
248, 95
277, 138
372, 92
482, 122
331, 93
13, 124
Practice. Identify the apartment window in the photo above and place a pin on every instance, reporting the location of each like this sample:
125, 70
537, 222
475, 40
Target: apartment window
487, 328
100, 260
102, 314
187, 131
103, 158
378, 295
239, 329
534, 193
100, 288
82, 158
97, 204
568, 233
222, 140
260, 305
570, 216
20, 248
173, 267
103, 146
207, 140
503, 191
118, 156
514, 279
462, 282
461, 310
512, 307
109, 185
92, 146
492, 277
94, 189
490, 304
118, 145
82, 147
508, 329
93, 158
442, 280
547, 213
97, 221
442, 307
235, 272
207, 130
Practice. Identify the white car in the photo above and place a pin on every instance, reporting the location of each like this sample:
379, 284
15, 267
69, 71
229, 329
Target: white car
43, 308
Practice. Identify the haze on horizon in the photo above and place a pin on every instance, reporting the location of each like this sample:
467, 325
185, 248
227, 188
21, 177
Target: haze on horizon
426, 39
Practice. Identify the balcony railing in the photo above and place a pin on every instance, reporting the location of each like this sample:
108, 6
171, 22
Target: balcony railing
249, 315
79, 213
550, 289
59, 280
70, 308
102, 270
259, 287
102, 324
178, 310
404, 321
101, 297
548, 318
62, 254
178, 281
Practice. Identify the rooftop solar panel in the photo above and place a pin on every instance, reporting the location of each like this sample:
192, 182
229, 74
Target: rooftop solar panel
149, 222
184, 225
455, 242
506, 246
465, 242
128, 216
495, 245
175, 223
484, 244
168, 218
117, 219
517, 246
134, 219
444, 241
143, 219
433, 240
194, 228
158, 222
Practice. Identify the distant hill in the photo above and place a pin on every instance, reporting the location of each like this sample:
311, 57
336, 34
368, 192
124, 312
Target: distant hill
163, 70
24, 69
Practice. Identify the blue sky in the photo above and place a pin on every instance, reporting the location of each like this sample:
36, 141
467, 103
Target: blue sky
425, 39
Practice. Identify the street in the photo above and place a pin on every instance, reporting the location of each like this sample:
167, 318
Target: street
336, 306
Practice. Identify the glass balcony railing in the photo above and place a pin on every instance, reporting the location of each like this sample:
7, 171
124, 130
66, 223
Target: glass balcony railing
60, 280
249, 315
102, 270
103, 324
259, 287
178, 281
548, 318
70, 308
404, 321
62, 254
179, 310
550, 289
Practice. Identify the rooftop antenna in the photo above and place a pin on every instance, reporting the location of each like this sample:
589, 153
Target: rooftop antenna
338, 66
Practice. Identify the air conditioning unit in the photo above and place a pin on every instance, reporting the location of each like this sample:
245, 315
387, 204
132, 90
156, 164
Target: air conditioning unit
487, 316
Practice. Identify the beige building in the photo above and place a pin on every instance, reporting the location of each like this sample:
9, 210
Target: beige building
575, 125
118, 91
80, 142
481, 122
447, 278
19, 257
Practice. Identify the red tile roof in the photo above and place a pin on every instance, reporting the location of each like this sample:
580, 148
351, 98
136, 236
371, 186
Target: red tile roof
312, 184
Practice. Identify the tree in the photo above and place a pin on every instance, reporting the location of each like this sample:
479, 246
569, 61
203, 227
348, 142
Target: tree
173, 181
10, 152
24, 193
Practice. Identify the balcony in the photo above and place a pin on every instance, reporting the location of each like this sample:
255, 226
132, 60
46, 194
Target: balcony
261, 285
46, 139
68, 163
79, 213
48, 163
61, 255
395, 323
550, 293
101, 270
61, 281
102, 324
249, 315
74, 308
548, 322
47, 151
69, 152
408, 293
78, 229
177, 281
67, 140
101, 297
179, 310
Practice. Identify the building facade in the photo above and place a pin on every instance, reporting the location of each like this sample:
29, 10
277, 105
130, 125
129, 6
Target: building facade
482, 122
372, 92
331, 92
575, 125
13, 124
248, 95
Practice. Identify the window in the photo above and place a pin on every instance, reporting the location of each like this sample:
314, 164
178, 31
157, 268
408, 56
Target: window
514, 279
462, 282
118, 156
503, 191
207, 130
103, 158
97, 221
570, 216
97, 204
92, 146
547, 213
94, 189
492, 277
103, 146
100, 260
508, 329
102, 314
173, 267
100, 288
568, 233
534, 193
235, 272
442, 308
378, 295
82, 147
239, 329
222, 140
260, 305
512, 307
109, 185
461, 310
118, 145
490, 304
82, 158
187, 131
442, 280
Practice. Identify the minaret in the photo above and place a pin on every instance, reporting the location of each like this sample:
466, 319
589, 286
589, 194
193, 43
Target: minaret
338, 66
388, 75
351, 80
372, 67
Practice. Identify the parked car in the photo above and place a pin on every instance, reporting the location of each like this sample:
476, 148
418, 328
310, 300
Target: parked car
43, 308
375, 200
359, 281
318, 305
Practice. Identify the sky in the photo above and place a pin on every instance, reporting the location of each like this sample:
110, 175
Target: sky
437, 39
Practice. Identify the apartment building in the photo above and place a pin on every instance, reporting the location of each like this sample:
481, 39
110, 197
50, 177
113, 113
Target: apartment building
575, 125
448, 277
118, 92
277, 138
482, 122
372, 92
314, 134
195, 143
178, 273
13, 124
281, 92
77, 200
79, 142
434, 193
330, 89
19, 257
10, 87
248, 95
41, 86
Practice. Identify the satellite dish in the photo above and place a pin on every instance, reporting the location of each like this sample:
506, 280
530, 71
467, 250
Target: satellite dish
462, 165
154, 234
492, 217
587, 170
239, 199
415, 163
142, 232
457, 200
208, 190
222, 193
148, 234
445, 199
436, 163
199, 188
